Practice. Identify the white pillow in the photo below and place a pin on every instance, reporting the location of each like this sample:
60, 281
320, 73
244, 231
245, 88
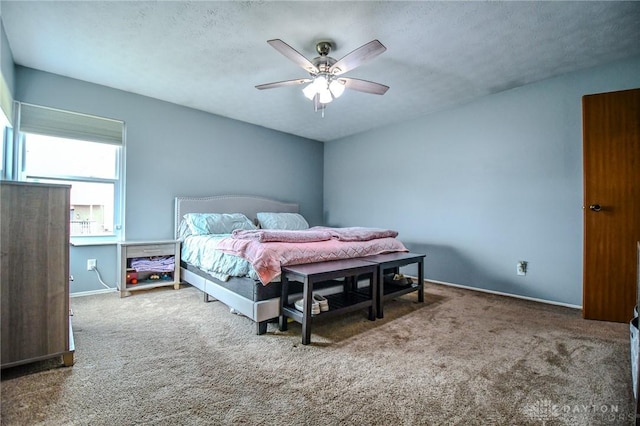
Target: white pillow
288, 221
217, 223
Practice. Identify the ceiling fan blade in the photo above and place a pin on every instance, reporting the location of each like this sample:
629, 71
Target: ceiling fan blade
283, 83
364, 86
358, 57
293, 55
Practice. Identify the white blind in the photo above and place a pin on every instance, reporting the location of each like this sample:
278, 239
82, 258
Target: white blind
71, 125
6, 103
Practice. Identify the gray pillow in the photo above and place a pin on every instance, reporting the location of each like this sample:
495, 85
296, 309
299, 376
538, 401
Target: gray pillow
288, 221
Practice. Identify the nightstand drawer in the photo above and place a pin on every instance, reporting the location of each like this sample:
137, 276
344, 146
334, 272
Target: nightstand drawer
150, 250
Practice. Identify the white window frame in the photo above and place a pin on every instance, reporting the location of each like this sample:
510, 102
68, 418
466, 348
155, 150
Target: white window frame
71, 125
6, 134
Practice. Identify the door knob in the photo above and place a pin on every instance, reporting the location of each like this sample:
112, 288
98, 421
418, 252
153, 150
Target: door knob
595, 207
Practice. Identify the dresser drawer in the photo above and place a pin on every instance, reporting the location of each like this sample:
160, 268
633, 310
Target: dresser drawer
151, 250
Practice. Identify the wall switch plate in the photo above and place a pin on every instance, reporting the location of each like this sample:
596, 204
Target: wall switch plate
91, 264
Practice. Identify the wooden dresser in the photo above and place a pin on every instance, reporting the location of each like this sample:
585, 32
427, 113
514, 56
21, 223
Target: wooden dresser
635, 341
34, 273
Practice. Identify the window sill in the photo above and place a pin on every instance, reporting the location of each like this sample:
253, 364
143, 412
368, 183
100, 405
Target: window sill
93, 241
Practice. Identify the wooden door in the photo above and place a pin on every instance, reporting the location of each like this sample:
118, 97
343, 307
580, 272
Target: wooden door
611, 144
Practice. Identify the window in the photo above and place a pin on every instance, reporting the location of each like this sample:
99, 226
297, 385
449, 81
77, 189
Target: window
5, 136
90, 168
78, 150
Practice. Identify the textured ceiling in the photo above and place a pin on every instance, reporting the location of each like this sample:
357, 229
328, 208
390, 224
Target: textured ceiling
210, 55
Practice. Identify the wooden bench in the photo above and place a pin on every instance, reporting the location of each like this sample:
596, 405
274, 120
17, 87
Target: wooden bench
350, 299
353, 297
392, 262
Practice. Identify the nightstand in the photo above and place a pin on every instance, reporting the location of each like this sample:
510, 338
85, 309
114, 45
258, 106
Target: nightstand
143, 265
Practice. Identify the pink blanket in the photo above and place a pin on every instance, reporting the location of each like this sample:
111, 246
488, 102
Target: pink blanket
317, 233
271, 235
357, 233
267, 258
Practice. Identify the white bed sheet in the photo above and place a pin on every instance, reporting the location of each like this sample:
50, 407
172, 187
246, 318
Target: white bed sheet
200, 251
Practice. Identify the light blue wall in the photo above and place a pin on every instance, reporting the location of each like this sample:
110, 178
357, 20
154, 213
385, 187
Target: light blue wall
479, 187
173, 150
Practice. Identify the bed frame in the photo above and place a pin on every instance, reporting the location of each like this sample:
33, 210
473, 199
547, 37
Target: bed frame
260, 311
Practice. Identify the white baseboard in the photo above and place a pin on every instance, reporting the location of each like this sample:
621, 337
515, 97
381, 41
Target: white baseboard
466, 287
92, 292
499, 293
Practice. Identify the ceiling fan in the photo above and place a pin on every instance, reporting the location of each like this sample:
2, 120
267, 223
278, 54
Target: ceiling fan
326, 81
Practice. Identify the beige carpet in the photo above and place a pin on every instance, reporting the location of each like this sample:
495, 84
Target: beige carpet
165, 357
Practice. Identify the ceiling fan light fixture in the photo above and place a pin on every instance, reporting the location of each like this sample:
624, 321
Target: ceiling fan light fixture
325, 96
321, 87
337, 88
320, 83
310, 91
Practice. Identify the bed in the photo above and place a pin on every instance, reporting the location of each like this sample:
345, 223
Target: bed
244, 289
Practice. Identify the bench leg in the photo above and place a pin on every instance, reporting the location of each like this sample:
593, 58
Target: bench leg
421, 282
373, 294
380, 291
307, 295
284, 295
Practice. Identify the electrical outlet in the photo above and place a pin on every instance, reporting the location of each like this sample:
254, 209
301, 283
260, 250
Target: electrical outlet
91, 264
521, 268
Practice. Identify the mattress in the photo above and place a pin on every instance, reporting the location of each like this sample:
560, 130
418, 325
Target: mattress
244, 286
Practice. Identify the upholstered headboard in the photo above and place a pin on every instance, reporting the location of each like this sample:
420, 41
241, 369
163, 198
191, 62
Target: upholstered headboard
245, 204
